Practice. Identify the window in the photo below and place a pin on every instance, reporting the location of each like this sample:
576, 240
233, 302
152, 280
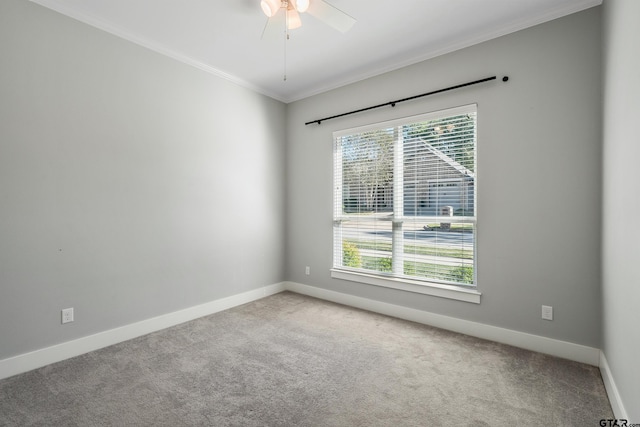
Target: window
405, 203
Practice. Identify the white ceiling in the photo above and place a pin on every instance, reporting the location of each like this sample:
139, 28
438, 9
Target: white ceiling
224, 36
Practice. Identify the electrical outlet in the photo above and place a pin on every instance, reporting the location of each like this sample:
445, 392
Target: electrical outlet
307, 270
547, 312
67, 315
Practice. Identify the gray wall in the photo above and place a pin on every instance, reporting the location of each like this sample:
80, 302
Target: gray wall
621, 250
115, 172
539, 187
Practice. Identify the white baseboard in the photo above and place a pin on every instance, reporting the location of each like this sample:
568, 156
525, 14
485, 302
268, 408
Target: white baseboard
566, 350
28, 361
36, 359
619, 411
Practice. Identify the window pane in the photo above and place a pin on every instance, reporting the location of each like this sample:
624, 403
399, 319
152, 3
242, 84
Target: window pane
367, 245
439, 164
367, 168
442, 255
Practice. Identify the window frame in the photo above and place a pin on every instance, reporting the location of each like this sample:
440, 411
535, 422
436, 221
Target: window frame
389, 280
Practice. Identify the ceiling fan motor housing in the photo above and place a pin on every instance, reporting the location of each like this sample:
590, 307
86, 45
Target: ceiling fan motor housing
271, 7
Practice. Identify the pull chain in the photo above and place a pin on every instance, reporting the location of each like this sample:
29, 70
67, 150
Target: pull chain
285, 5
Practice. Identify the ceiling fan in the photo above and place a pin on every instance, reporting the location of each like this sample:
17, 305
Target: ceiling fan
289, 11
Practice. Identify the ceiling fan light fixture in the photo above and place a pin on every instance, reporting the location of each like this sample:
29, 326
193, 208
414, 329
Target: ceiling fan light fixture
301, 5
270, 7
293, 19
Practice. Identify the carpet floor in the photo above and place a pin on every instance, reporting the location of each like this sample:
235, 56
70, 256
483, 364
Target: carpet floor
292, 360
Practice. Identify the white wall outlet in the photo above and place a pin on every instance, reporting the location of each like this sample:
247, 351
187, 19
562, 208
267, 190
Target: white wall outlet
547, 312
307, 270
67, 315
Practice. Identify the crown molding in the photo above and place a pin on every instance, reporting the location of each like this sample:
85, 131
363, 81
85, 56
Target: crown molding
453, 46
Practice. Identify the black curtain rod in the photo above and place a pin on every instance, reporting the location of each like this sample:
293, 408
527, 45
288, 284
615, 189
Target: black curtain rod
393, 103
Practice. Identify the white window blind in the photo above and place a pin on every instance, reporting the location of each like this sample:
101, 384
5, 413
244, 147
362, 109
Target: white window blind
405, 198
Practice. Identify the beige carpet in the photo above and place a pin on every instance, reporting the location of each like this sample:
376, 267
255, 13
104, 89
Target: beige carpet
291, 360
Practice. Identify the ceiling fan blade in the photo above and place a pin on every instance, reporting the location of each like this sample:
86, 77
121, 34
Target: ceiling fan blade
274, 27
331, 15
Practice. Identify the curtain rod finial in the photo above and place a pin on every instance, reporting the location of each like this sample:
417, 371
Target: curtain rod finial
505, 78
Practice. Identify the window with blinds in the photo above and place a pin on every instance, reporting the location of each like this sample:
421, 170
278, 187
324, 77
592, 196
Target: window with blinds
405, 199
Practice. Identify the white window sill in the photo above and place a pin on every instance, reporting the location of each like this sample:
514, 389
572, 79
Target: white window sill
435, 289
